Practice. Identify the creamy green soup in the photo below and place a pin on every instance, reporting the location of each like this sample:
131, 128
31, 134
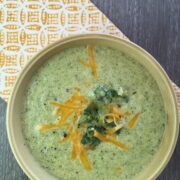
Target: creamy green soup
55, 81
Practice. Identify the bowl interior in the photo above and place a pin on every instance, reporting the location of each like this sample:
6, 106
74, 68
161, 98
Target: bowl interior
21, 152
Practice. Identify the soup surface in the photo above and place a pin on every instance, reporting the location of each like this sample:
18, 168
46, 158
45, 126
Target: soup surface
133, 93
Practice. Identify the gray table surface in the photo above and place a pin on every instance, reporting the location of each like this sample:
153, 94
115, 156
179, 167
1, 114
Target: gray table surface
154, 25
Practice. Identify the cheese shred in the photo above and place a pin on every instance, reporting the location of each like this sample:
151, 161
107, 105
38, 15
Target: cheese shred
74, 105
110, 140
71, 109
91, 64
132, 122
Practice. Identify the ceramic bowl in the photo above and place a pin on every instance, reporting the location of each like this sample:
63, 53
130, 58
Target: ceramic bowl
14, 129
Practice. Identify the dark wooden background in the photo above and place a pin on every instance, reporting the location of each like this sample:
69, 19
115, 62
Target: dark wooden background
154, 25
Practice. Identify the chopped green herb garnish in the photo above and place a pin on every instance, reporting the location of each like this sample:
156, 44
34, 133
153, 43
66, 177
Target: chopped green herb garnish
109, 95
100, 129
94, 115
89, 139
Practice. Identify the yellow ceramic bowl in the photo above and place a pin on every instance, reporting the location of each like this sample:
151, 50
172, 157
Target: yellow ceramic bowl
16, 139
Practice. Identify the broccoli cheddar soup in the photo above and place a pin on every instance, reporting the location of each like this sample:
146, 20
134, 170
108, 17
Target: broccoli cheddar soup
93, 113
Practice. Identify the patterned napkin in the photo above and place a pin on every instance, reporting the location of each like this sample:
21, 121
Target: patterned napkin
28, 26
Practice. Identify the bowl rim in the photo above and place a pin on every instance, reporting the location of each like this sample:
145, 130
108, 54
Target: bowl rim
33, 60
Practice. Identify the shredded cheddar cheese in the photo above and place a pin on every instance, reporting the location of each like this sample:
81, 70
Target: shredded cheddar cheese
132, 122
72, 108
74, 105
115, 110
91, 64
85, 160
109, 120
64, 105
118, 169
110, 140
113, 130
84, 63
115, 116
87, 83
79, 150
75, 145
47, 127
